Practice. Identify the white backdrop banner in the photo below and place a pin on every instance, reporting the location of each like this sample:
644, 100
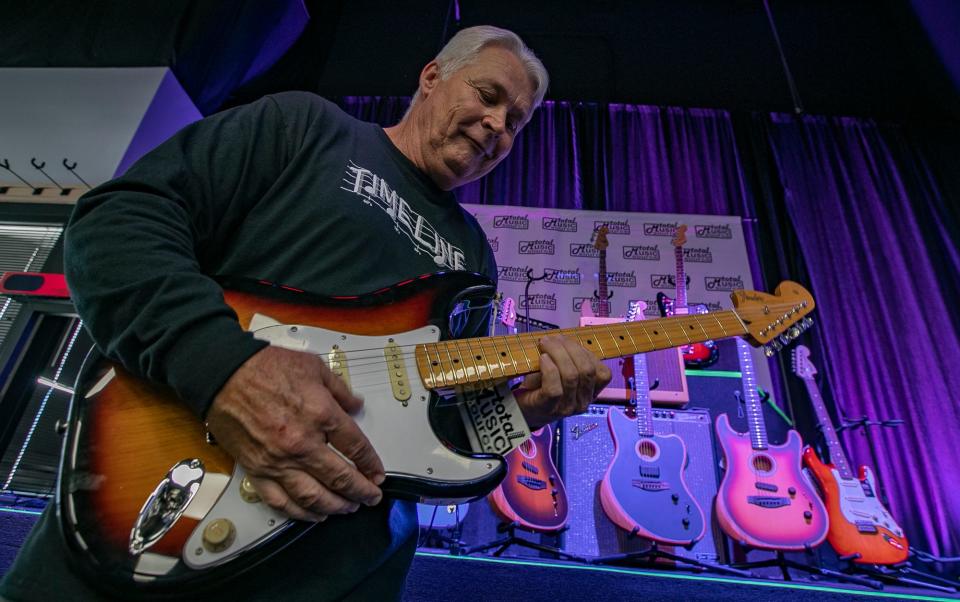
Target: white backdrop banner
556, 243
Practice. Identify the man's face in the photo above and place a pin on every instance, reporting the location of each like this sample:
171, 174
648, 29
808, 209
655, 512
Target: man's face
471, 118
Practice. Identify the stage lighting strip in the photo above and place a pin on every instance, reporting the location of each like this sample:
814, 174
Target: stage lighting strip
666, 575
43, 406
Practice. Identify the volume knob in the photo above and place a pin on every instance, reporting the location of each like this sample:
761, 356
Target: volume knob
219, 535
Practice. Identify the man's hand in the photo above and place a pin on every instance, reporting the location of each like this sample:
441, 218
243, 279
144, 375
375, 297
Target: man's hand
276, 415
570, 378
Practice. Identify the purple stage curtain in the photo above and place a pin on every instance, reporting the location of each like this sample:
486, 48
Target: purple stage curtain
874, 231
877, 236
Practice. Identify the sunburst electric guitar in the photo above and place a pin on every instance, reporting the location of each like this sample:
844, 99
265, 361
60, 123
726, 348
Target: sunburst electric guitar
861, 529
145, 499
764, 500
643, 490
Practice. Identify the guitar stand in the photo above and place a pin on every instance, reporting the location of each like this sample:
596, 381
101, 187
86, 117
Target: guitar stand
654, 552
512, 539
897, 574
785, 566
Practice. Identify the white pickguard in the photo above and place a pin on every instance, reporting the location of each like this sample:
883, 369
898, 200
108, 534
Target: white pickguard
857, 507
401, 434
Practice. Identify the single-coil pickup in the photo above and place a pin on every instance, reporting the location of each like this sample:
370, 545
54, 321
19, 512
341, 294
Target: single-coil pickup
337, 360
398, 372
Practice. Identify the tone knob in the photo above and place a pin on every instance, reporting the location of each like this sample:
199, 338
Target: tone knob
807, 514
675, 497
792, 491
247, 492
218, 535
686, 522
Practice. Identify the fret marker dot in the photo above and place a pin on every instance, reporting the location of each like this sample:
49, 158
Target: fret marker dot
479, 357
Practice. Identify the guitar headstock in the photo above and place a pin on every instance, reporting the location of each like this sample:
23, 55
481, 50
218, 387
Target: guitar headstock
802, 366
600, 241
508, 312
774, 320
680, 237
635, 310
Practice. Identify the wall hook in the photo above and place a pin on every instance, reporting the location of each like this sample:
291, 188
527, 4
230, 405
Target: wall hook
72, 169
39, 167
6, 165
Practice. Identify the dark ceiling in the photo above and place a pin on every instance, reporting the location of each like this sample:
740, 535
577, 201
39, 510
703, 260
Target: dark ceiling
847, 57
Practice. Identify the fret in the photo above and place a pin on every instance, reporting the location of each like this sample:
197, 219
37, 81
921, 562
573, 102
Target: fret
700, 324
458, 364
457, 378
664, 331
758, 430
480, 365
720, 324
837, 456
530, 366
497, 353
614, 338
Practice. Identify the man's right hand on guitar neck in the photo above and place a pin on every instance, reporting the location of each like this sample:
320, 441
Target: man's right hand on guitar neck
275, 416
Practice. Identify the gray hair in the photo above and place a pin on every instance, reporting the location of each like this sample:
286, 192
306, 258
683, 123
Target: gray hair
463, 48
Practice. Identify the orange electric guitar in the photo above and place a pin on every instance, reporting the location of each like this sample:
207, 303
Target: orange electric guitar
861, 529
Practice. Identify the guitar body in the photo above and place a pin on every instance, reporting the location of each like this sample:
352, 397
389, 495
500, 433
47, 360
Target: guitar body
140, 485
698, 355
859, 524
764, 500
532, 494
643, 490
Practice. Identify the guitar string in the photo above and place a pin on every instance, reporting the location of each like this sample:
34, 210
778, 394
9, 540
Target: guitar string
568, 331
356, 358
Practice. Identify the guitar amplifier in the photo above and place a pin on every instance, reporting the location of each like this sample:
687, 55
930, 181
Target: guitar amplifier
665, 366
586, 449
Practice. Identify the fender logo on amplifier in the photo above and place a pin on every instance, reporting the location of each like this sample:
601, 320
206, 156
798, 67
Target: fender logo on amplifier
579, 431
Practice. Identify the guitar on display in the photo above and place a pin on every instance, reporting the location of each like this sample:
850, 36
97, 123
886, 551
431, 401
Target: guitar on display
765, 500
602, 294
532, 494
861, 529
698, 355
145, 500
643, 490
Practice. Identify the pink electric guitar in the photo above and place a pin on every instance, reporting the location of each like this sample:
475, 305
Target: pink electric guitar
765, 501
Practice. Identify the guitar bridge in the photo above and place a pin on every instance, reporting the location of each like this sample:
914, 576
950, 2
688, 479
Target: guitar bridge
768, 501
532, 483
866, 526
650, 485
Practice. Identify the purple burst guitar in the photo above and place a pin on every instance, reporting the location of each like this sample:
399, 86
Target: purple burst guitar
765, 500
643, 490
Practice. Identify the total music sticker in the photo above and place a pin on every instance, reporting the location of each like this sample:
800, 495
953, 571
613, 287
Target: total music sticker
492, 418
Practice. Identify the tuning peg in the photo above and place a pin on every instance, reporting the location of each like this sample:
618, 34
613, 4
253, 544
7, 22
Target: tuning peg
785, 338
794, 331
807, 322
769, 351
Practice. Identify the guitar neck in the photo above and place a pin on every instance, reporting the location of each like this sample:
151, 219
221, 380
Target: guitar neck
681, 278
482, 360
837, 457
603, 305
641, 388
758, 428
